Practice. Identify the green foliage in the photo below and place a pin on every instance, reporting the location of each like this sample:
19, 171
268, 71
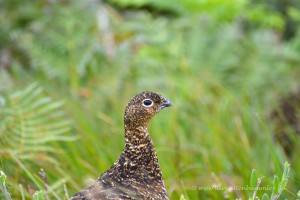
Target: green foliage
182, 197
218, 10
39, 195
265, 197
54, 48
222, 76
294, 13
29, 122
253, 179
265, 18
46, 41
278, 186
3, 187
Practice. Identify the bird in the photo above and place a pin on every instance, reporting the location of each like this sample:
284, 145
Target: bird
136, 174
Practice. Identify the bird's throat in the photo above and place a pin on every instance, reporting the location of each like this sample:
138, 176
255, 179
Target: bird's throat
139, 146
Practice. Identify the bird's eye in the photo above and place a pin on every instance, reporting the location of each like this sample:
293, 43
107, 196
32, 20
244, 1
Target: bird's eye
147, 102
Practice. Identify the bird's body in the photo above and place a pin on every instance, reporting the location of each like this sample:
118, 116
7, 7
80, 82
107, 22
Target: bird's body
136, 174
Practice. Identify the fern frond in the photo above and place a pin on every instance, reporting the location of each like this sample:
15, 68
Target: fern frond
30, 121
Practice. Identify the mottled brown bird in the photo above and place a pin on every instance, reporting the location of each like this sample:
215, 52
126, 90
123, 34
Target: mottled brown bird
136, 174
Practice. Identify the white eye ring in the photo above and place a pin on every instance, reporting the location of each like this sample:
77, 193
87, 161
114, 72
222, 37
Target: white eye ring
147, 103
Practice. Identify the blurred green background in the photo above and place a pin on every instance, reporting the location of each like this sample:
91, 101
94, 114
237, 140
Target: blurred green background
231, 69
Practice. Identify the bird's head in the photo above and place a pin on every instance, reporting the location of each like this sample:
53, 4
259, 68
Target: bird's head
142, 107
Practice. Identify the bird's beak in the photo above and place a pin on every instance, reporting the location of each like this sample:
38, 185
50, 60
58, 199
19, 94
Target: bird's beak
166, 103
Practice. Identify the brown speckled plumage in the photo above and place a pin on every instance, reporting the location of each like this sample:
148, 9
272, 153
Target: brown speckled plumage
136, 174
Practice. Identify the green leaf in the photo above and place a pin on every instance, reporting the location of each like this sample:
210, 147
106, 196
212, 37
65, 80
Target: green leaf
30, 121
265, 197
182, 197
283, 184
253, 178
285, 176
2, 177
39, 195
294, 13
3, 186
275, 185
286, 171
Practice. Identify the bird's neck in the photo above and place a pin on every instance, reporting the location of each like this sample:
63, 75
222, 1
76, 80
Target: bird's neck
139, 146
138, 162
136, 134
